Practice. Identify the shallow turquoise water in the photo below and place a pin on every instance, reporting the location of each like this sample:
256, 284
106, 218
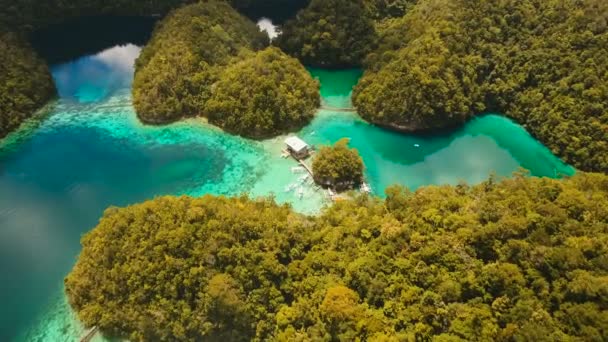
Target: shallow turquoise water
57, 175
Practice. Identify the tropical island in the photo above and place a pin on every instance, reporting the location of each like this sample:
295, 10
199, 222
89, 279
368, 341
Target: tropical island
222, 75
541, 63
338, 167
517, 259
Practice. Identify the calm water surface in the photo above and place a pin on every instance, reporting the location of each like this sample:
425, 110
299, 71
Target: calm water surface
57, 175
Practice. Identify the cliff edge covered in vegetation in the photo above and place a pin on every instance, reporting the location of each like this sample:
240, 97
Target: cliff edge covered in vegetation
202, 61
520, 259
542, 63
186, 55
25, 81
329, 33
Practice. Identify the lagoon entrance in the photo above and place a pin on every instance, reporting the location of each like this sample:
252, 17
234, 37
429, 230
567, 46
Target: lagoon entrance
88, 152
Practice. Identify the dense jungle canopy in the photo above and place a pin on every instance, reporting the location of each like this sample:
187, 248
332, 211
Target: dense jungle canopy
265, 94
202, 61
329, 33
188, 51
542, 63
385, 9
519, 259
338, 166
25, 81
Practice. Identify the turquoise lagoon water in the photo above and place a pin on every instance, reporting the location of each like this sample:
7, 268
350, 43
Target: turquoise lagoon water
88, 152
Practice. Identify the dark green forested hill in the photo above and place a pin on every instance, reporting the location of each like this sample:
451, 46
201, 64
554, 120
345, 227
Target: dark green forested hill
265, 94
523, 259
338, 167
25, 81
329, 33
187, 52
202, 61
337, 33
32, 14
542, 63
383, 9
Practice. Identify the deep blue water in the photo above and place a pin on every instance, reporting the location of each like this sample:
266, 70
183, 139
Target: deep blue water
57, 178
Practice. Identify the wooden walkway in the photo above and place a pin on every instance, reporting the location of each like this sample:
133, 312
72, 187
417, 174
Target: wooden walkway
90, 334
306, 167
339, 109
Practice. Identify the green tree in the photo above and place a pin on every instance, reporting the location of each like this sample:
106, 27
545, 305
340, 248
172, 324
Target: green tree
265, 94
329, 33
338, 166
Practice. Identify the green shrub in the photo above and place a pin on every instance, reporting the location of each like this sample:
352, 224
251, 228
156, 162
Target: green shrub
338, 166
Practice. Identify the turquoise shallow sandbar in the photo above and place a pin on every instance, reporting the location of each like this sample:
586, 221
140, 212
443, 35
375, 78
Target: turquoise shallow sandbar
59, 173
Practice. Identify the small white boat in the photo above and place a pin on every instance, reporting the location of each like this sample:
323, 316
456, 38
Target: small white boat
416, 145
300, 193
366, 188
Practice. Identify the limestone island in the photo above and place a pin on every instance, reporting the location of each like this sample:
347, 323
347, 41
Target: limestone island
338, 167
541, 63
208, 60
523, 259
